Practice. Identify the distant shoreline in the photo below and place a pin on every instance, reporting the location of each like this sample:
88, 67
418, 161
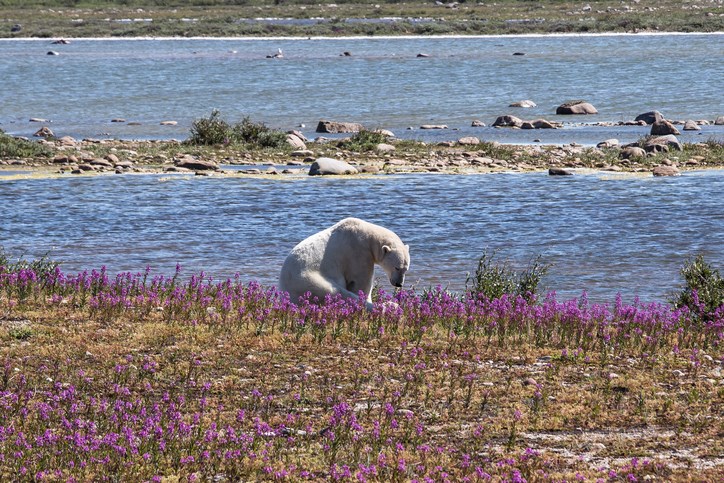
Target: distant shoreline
372, 37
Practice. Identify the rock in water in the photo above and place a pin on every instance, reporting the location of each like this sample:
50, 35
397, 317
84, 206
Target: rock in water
330, 166
576, 107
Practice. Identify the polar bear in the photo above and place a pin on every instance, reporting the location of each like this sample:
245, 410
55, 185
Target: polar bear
341, 260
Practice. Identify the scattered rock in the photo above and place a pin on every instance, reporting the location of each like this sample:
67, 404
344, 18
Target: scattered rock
52, 52
302, 153
100, 162
719, 121
665, 170
538, 124
189, 162
478, 123
346, 54
44, 132
632, 152
669, 141
385, 132
169, 123
518, 53
296, 143
559, 172
330, 166
37, 119
469, 141
423, 55
608, 143
384, 148
338, 127
433, 126
508, 121
662, 128
649, 117
525, 103
118, 119
67, 141
576, 107
61, 42
691, 126
16, 28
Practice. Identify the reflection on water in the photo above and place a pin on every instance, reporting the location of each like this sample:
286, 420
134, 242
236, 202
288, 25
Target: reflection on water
602, 233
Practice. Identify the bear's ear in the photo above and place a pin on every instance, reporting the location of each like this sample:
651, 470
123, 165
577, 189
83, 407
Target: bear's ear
386, 249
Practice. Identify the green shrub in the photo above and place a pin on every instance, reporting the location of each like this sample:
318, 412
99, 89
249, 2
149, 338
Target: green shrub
42, 266
258, 134
494, 279
704, 289
363, 141
11, 147
209, 131
213, 130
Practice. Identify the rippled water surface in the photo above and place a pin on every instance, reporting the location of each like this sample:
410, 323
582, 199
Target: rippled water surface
382, 83
604, 234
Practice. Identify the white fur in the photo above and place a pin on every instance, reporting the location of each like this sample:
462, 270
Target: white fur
341, 260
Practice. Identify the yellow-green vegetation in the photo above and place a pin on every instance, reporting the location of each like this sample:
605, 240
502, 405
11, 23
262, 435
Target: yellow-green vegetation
138, 377
233, 18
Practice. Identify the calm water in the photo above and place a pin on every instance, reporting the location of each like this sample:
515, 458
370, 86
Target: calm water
604, 234
382, 84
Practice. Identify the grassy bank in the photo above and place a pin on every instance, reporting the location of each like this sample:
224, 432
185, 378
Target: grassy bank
143, 378
361, 150
224, 18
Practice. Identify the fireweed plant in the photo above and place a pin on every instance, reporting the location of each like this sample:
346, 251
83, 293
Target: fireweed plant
135, 377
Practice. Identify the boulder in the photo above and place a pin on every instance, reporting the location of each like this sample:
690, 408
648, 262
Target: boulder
719, 121
44, 132
67, 141
100, 162
384, 148
650, 117
666, 170
576, 107
559, 172
298, 134
189, 162
632, 152
525, 103
326, 166
168, 123
385, 132
112, 158
662, 128
433, 126
296, 143
333, 127
538, 124
469, 141
691, 126
608, 143
508, 121
477, 123
669, 141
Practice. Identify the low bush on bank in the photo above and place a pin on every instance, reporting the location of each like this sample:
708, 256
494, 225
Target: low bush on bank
363, 141
11, 147
214, 130
703, 292
493, 279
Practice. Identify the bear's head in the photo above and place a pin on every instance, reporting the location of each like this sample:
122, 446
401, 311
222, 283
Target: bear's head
396, 262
